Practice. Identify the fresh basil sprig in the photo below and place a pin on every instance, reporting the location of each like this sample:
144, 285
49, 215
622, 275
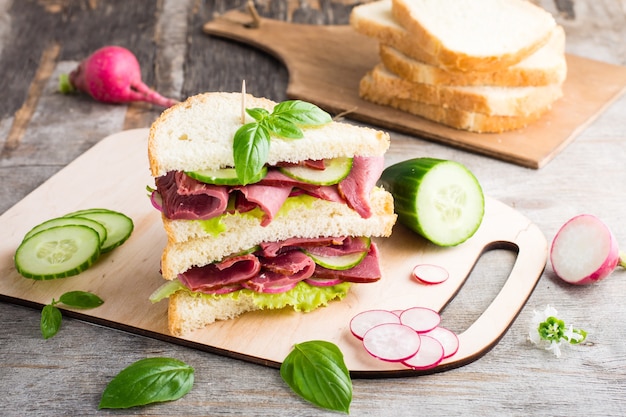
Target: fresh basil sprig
315, 370
51, 316
148, 381
252, 141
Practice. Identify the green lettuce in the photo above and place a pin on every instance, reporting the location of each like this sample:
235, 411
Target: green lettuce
303, 297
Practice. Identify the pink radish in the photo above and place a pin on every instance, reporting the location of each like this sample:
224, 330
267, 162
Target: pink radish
420, 319
585, 251
428, 356
364, 321
112, 75
430, 274
448, 339
392, 342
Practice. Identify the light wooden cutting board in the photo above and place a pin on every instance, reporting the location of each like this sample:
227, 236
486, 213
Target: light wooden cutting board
114, 174
326, 63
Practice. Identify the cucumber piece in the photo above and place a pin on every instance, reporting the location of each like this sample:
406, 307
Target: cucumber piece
335, 170
118, 225
341, 262
63, 221
224, 176
58, 252
439, 199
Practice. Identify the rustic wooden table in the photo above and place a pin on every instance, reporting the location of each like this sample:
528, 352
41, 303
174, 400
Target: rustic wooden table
42, 131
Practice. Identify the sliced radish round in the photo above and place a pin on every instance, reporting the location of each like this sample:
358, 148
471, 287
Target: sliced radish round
448, 339
364, 321
421, 319
584, 250
430, 274
428, 356
392, 342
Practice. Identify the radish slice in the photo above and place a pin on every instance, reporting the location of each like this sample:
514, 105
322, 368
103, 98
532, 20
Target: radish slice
420, 319
392, 342
448, 339
364, 321
430, 353
430, 274
584, 250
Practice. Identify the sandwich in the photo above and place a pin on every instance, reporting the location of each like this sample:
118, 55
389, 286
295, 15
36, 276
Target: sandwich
268, 208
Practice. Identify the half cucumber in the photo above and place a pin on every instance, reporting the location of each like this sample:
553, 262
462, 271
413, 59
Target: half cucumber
224, 176
58, 252
439, 199
335, 170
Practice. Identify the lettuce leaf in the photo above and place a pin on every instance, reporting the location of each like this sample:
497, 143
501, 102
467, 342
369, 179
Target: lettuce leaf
303, 297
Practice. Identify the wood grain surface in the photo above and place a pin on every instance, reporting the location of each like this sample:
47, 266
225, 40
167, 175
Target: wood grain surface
67, 374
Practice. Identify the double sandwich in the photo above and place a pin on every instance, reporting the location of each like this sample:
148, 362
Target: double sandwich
297, 235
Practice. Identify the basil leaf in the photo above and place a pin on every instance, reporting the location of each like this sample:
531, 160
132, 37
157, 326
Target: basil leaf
251, 147
302, 113
315, 370
50, 321
81, 299
283, 127
257, 113
148, 381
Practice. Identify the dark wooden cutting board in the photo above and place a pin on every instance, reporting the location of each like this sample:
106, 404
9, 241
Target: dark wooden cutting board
114, 174
326, 63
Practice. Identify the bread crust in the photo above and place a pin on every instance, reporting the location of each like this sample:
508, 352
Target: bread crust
458, 119
488, 100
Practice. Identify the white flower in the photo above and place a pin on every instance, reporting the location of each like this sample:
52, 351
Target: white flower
548, 332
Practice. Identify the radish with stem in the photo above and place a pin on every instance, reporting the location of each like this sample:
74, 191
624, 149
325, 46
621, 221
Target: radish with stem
112, 75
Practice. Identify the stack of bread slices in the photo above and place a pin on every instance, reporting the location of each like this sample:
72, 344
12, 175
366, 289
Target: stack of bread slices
482, 66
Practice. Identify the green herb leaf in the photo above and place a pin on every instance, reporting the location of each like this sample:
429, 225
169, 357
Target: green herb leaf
251, 143
315, 370
284, 128
50, 321
250, 150
258, 114
148, 381
81, 299
301, 113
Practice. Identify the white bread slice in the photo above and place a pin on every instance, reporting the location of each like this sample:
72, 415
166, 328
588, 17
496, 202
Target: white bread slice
187, 312
546, 66
459, 119
189, 245
198, 134
473, 35
500, 101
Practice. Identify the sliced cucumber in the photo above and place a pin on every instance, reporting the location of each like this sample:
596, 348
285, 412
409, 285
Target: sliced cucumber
63, 221
58, 252
119, 226
341, 262
335, 170
439, 199
224, 176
